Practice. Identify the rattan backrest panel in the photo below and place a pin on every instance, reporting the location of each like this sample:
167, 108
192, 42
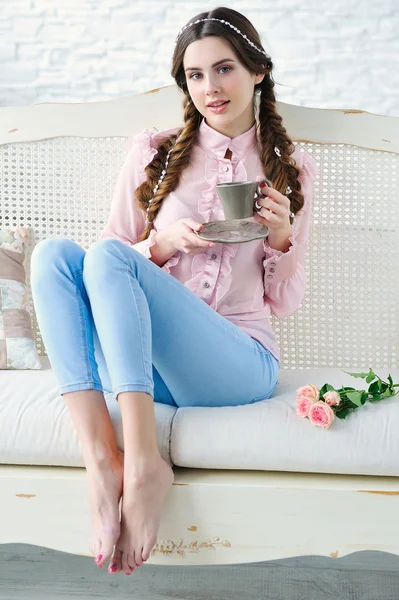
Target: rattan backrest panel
349, 318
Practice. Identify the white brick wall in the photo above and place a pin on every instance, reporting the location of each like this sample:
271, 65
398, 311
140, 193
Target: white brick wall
327, 53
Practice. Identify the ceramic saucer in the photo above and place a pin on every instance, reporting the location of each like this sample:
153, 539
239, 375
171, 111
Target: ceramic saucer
232, 231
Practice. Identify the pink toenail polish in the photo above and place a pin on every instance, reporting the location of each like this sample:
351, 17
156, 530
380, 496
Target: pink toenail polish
112, 568
98, 558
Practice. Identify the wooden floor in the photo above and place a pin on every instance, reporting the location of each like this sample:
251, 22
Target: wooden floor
32, 573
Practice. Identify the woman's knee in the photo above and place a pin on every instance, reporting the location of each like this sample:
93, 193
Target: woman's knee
56, 252
102, 256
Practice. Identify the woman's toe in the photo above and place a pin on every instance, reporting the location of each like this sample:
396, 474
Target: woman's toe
116, 561
106, 553
126, 568
138, 559
131, 562
146, 552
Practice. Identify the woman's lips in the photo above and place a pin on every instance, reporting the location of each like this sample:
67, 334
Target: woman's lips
219, 109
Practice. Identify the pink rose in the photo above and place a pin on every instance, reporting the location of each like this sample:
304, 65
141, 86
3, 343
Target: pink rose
303, 405
321, 414
309, 391
332, 398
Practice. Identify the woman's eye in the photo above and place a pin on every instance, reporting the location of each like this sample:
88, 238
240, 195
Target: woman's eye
221, 70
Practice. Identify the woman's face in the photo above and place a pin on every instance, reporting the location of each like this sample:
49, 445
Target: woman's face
214, 74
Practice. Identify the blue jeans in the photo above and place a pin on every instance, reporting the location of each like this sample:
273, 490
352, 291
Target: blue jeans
112, 320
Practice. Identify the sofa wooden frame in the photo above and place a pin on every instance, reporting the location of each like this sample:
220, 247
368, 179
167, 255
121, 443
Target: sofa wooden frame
210, 516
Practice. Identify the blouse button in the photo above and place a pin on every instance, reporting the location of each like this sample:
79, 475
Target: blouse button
213, 256
273, 264
224, 168
270, 276
206, 284
272, 270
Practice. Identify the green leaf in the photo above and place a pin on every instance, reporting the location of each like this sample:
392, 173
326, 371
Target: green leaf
326, 388
390, 380
375, 398
375, 387
356, 397
387, 393
350, 405
370, 376
342, 414
340, 406
367, 376
344, 390
360, 375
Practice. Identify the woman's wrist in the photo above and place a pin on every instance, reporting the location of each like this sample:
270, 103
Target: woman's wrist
163, 249
280, 240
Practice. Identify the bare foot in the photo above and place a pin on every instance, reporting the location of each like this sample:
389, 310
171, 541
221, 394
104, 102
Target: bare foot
144, 491
105, 488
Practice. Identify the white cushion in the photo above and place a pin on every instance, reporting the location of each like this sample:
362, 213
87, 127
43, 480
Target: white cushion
36, 428
269, 435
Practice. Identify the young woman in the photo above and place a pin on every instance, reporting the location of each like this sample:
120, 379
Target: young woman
152, 312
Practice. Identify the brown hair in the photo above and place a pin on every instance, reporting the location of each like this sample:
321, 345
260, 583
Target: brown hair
281, 170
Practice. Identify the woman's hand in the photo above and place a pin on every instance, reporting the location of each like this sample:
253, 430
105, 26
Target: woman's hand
275, 215
181, 236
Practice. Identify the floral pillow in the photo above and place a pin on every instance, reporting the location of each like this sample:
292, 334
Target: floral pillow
17, 344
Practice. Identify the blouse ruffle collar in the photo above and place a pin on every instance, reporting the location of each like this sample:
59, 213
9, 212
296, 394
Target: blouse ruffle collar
217, 143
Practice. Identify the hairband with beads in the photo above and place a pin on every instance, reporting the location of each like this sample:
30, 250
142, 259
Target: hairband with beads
246, 38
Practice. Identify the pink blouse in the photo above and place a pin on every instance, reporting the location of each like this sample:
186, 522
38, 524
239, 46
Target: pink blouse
245, 283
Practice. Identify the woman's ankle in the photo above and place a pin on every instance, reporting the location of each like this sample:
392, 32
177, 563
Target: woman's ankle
101, 455
142, 465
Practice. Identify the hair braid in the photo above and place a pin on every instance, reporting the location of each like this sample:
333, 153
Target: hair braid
181, 146
281, 170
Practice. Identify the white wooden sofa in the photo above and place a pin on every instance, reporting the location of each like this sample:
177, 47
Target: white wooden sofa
253, 483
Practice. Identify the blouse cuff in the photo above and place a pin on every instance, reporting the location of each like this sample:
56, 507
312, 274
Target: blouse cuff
172, 261
280, 265
145, 246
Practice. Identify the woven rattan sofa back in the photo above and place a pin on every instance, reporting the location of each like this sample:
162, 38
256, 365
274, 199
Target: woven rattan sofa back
62, 187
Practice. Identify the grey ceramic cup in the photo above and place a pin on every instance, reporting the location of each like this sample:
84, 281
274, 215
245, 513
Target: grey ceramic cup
238, 197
